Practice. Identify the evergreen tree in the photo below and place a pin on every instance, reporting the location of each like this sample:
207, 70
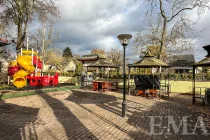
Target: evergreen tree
67, 52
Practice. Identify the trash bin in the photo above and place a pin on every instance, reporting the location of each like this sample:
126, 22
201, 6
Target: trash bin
208, 95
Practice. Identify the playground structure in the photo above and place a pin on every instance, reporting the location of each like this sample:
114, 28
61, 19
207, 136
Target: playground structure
27, 69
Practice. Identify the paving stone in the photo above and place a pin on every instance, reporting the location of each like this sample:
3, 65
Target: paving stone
81, 114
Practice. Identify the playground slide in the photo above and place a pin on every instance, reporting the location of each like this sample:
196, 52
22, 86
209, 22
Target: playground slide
20, 77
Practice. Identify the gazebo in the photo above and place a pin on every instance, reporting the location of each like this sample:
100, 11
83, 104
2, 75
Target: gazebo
149, 81
85, 59
203, 63
103, 63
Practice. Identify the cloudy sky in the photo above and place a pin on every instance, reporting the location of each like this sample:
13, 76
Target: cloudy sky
88, 24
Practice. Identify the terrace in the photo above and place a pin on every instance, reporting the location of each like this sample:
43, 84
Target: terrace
67, 113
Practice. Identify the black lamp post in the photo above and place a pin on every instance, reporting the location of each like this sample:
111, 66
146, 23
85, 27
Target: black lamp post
124, 40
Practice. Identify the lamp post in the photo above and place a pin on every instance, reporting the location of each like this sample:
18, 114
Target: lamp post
124, 40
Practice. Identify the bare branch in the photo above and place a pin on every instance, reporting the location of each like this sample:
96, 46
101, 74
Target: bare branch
184, 9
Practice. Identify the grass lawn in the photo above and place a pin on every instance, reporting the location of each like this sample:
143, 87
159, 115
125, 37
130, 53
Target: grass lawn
181, 86
176, 86
33, 92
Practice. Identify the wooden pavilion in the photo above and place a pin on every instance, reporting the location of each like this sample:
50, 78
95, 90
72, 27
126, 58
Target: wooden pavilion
203, 63
149, 61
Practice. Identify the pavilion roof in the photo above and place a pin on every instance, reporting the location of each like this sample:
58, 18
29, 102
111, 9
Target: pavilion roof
203, 62
103, 63
149, 61
206, 60
88, 58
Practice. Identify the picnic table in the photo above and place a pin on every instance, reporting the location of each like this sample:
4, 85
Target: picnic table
105, 85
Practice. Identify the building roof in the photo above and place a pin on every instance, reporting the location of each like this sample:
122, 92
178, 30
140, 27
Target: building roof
88, 58
4, 42
203, 62
206, 60
148, 61
181, 60
102, 63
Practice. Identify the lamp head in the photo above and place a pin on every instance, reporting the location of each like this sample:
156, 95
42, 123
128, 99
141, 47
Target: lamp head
124, 39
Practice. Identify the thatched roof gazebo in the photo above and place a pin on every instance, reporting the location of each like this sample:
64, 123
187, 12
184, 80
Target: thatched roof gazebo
102, 63
148, 61
203, 63
101, 84
86, 58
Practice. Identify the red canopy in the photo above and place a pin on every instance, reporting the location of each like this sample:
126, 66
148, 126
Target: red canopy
3, 42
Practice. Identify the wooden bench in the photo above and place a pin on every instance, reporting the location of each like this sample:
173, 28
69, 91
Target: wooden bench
200, 96
164, 90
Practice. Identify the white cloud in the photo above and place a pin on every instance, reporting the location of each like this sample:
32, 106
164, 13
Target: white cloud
202, 24
85, 25
88, 24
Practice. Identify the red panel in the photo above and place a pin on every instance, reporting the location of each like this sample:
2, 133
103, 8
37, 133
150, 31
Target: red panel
12, 70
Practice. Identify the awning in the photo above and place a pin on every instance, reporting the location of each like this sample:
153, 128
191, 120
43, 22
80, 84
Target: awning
4, 42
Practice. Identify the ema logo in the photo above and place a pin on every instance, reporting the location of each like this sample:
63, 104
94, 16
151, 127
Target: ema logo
177, 128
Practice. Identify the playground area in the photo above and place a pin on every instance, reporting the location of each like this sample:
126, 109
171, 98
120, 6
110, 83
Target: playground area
78, 114
26, 70
93, 107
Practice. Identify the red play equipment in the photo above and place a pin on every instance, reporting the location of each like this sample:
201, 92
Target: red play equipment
12, 70
43, 80
39, 63
27, 68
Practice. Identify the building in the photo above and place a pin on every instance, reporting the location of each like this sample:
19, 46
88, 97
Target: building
3, 61
181, 63
67, 66
70, 66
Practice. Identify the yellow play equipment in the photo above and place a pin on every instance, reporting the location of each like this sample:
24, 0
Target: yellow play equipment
13, 63
27, 52
25, 61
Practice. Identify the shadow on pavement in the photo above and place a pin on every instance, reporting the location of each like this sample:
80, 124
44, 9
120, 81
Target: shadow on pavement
177, 111
104, 101
111, 104
139, 115
17, 122
73, 127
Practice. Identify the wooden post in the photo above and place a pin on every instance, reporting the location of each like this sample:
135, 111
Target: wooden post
193, 86
8, 80
87, 82
129, 68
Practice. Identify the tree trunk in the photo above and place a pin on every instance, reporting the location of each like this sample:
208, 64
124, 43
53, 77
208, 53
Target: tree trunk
21, 35
18, 47
163, 35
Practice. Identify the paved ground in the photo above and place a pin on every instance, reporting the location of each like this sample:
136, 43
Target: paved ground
79, 114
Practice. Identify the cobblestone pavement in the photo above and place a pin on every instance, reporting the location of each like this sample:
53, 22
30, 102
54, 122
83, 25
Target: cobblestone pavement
79, 114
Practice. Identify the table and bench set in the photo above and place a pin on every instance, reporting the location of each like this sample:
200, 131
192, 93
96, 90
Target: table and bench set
105, 85
149, 85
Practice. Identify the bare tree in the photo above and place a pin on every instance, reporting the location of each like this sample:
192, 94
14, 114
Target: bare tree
5, 53
115, 56
22, 12
53, 57
49, 37
168, 24
99, 52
